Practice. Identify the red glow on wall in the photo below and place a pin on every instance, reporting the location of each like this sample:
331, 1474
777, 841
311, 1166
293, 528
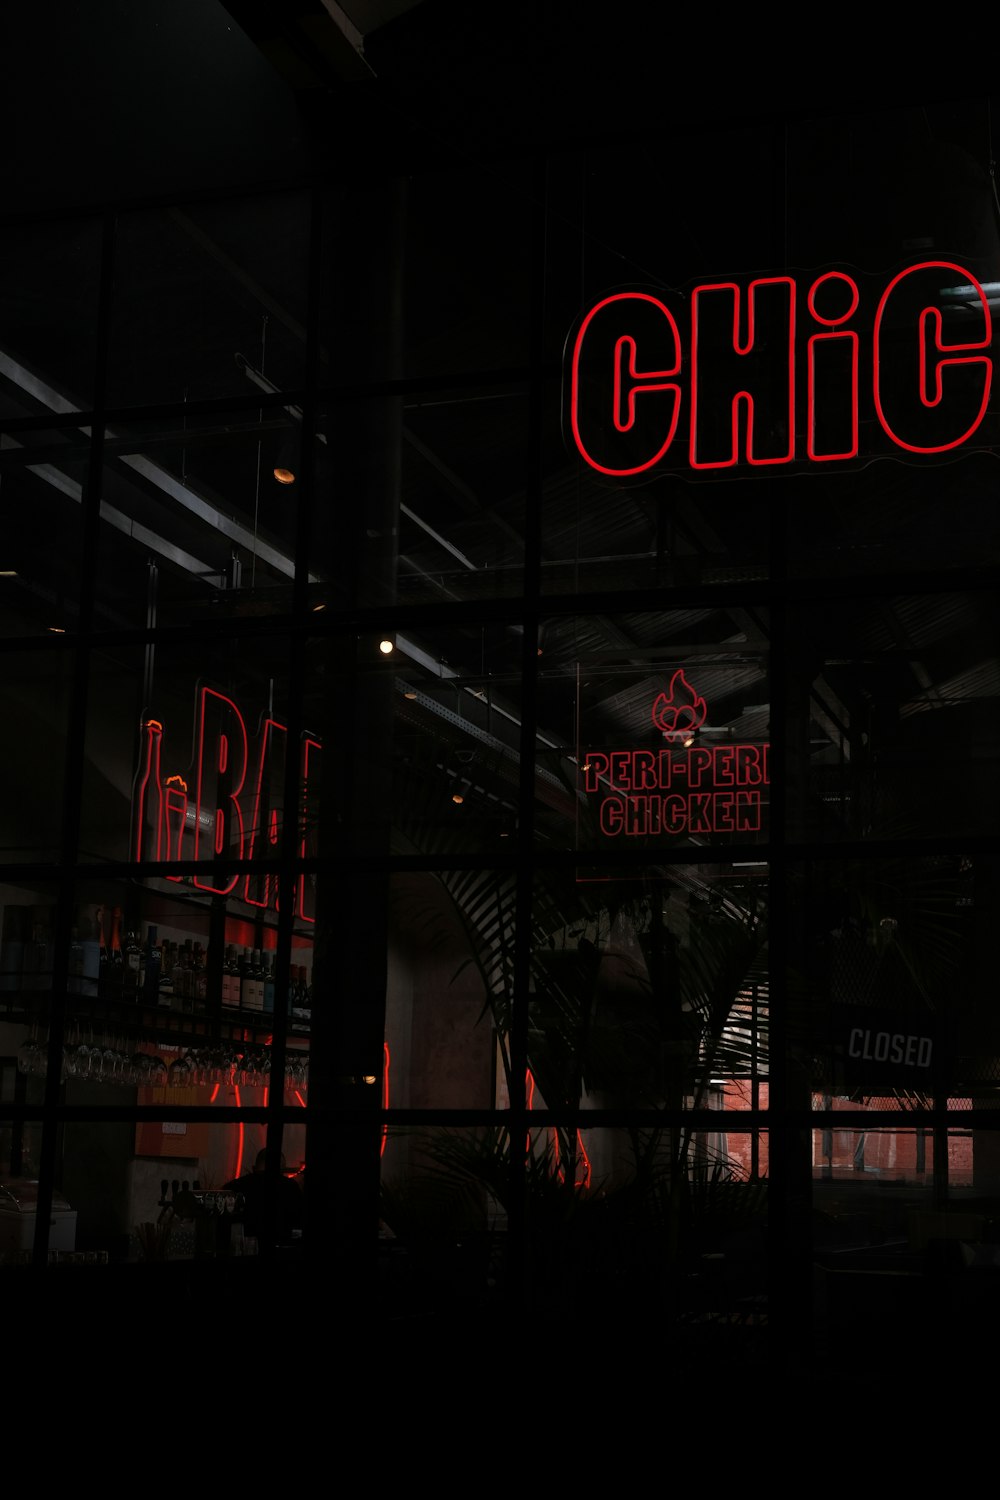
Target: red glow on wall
878, 355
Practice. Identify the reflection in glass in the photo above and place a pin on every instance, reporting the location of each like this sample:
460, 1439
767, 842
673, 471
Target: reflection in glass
650, 992
447, 995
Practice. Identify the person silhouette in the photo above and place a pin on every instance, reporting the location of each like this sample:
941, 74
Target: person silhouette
262, 1193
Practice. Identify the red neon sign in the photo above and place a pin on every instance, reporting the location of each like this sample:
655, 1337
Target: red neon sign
910, 363
584, 1170
226, 818
682, 786
680, 711
385, 1094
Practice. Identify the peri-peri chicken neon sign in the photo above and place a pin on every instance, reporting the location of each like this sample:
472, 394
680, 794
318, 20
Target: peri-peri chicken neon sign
227, 806
771, 373
682, 786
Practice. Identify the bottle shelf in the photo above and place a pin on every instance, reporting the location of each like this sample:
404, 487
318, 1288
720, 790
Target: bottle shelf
34, 1007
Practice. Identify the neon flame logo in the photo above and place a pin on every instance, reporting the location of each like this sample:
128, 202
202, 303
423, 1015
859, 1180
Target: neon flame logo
681, 711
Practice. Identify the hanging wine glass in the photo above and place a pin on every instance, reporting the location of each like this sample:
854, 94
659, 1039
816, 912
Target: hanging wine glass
26, 1054
177, 1073
68, 1059
109, 1062
121, 1062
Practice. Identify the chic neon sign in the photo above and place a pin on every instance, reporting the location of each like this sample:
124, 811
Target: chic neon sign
771, 372
681, 786
234, 812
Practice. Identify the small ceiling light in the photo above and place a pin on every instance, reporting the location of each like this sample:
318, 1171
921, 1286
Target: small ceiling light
317, 608
283, 476
385, 646
369, 1078
457, 797
57, 630
688, 740
410, 693
8, 572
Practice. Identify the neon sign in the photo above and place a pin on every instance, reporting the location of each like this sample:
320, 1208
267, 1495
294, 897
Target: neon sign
681, 786
232, 813
773, 372
584, 1170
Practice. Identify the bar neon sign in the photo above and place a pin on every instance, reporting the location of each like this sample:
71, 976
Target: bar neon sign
682, 787
227, 806
772, 372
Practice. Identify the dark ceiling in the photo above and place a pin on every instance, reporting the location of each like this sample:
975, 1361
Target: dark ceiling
173, 101
123, 99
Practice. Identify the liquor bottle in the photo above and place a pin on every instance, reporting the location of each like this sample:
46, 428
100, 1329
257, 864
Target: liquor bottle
298, 999
235, 978
269, 986
227, 981
116, 958
74, 974
12, 948
38, 955
91, 958
246, 981
154, 968
199, 977
165, 995
134, 972
182, 976
230, 979
257, 981
104, 955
